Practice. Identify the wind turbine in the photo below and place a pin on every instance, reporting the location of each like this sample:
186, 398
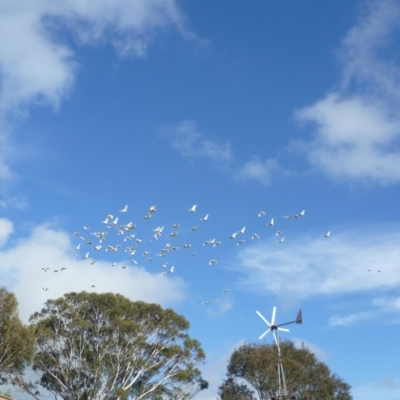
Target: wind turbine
274, 328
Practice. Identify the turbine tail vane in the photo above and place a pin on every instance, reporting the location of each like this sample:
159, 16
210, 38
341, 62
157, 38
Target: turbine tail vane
299, 318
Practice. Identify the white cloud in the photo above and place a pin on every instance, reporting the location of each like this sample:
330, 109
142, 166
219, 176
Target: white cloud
20, 270
357, 128
36, 64
258, 170
305, 267
186, 138
6, 229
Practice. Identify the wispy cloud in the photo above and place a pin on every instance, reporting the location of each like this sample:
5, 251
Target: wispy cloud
46, 247
220, 305
390, 304
186, 138
320, 354
258, 170
376, 308
351, 319
6, 229
388, 388
308, 267
215, 370
357, 127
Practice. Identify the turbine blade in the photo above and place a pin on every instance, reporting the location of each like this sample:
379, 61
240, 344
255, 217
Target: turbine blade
283, 329
260, 315
273, 316
276, 339
264, 333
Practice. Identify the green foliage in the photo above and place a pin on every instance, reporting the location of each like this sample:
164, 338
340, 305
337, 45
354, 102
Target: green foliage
104, 346
16, 339
252, 374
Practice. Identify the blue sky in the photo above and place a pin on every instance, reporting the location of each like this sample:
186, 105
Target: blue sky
236, 107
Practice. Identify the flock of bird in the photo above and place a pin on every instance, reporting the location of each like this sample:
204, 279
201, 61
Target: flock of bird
129, 241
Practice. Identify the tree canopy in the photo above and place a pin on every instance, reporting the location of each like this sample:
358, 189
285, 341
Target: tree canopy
103, 346
16, 339
252, 374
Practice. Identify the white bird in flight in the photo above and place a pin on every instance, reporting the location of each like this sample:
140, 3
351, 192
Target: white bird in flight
115, 222
255, 236
204, 218
327, 234
213, 261
271, 223
86, 255
45, 289
193, 208
261, 213
124, 210
112, 248
108, 219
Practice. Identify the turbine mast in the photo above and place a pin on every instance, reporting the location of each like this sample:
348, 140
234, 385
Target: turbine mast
282, 390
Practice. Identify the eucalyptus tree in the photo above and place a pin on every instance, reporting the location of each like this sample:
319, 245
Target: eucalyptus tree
252, 374
104, 346
16, 339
